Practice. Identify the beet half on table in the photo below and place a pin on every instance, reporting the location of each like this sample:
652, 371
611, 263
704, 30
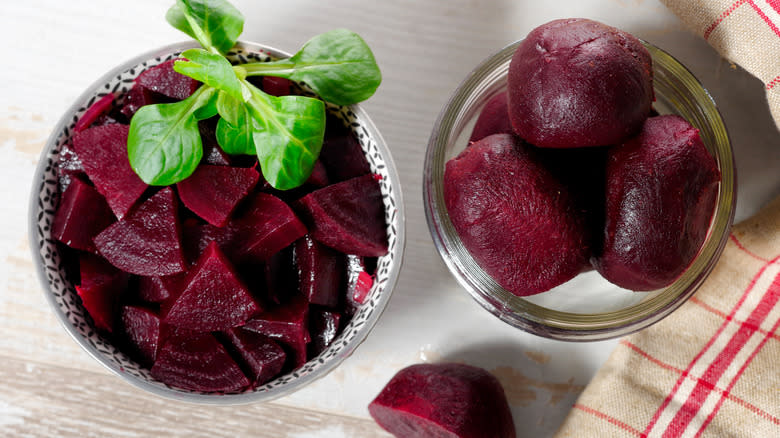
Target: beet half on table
219, 283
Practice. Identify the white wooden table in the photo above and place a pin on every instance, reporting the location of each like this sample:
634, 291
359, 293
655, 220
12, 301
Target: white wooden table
51, 50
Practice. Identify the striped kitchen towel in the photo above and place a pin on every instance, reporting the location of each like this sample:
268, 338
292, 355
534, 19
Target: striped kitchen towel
746, 32
712, 367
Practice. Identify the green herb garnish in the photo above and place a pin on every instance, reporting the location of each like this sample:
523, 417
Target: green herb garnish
286, 133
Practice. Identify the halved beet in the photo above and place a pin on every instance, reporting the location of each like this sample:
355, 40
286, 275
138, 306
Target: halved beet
348, 216
148, 240
137, 97
276, 86
323, 327
281, 276
443, 400
103, 152
289, 324
159, 289
341, 152
82, 214
164, 80
493, 119
97, 109
321, 270
102, 285
199, 363
266, 227
212, 192
141, 330
213, 298
261, 357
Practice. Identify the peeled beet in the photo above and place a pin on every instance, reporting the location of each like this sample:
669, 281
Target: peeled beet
213, 298
81, 215
97, 109
102, 285
212, 152
212, 192
137, 97
443, 400
493, 119
266, 227
661, 191
577, 82
321, 271
141, 330
515, 218
359, 284
199, 363
148, 240
281, 276
261, 357
159, 289
348, 216
341, 152
165, 80
289, 325
323, 327
103, 152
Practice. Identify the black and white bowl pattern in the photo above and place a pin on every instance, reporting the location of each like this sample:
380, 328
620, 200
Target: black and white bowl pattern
67, 306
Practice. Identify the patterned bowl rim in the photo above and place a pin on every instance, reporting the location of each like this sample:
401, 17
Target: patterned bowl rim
342, 347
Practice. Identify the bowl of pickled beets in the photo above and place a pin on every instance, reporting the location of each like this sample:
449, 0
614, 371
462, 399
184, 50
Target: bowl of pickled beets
210, 275
580, 183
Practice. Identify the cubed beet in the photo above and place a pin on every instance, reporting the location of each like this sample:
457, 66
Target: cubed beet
137, 97
159, 289
261, 357
212, 192
321, 270
323, 327
165, 80
281, 276
102, 285
141, 331
267, 226
341, 152
82, 214
212, 152
97, 109
289, 324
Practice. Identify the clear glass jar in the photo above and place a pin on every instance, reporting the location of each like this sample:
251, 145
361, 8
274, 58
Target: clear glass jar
588, 307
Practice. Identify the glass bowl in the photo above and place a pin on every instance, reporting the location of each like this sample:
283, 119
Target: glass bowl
587, 308
51, 265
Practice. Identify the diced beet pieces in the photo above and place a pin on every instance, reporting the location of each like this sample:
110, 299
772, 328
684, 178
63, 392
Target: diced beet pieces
213, 297
362, 287
493, 119
103, 152
289, 324
101, 287
323, 327
355, 265
159, 289
82, 214
281, 276
148, 240
166, 81
199, 363
212, 152
261, 357
276, 86
97, 109
443, 400
69, 166
348, 216
319, 176
341, 152
137, 97
267, 226
141, 330
212, 192
321, 271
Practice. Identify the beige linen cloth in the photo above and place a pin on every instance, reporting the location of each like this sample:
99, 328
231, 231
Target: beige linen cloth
711, 368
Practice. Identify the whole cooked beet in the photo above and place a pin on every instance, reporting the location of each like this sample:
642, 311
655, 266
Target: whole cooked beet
493, 119
578, 82
443, 400
515, 218
661, 192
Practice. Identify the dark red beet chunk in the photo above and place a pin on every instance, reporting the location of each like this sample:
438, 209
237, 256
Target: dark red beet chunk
137, 97
341, 152
661, 191
159, 289
267, 226
276, 86
493, 119
81, 215
141, 330
358, 284
261, 357
323, 326
348, 216
199, 363
443, 400
101, 287
289, 324
281, 276
524, 231
69, 166
164, 80
212, 192
319, 176
213, 299
577, 82
99, 108
148, 240
103, 152
212, 152
321, 271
